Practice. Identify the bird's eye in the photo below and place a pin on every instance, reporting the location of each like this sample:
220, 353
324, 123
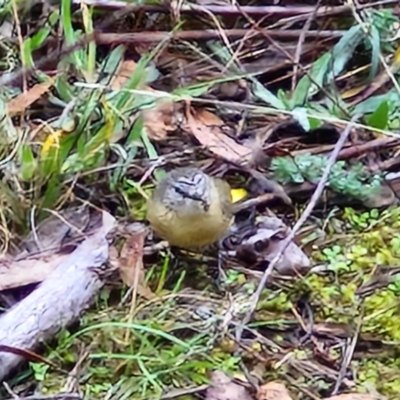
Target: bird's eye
197, 180
180, 190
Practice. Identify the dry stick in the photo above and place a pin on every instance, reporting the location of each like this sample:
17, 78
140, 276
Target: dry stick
236, 10
206, 34
314, 198
300, 42
356, 150
348, 355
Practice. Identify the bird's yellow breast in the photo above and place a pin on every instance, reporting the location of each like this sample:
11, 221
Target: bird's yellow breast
188, 230
185, 221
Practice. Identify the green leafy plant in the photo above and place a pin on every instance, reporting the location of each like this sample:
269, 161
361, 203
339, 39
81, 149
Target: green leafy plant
385, 22
395, 285
351, 180
337, 261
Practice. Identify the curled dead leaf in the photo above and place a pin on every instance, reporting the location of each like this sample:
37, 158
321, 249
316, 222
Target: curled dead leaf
160, 119
130, 262
20, 103
385, 198
207, 128
131, 258
124, 72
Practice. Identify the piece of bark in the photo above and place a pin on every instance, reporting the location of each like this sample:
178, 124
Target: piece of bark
58, 301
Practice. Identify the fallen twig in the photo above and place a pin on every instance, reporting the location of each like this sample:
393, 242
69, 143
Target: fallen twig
207, 34
237, 10
348, 355
316, 195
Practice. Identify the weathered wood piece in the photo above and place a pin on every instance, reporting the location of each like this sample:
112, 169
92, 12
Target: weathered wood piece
58, 301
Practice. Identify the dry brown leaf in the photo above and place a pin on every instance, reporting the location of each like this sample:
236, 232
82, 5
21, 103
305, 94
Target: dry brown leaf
124, 72
222, 388
22, 272
355, 396
15, 274
20, 103
50, 233
206, 127
131, 259
158, 120
385, 198
273, 391
130, 262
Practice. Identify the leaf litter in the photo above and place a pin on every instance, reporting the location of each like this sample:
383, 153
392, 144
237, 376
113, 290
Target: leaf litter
229, 108
207, 128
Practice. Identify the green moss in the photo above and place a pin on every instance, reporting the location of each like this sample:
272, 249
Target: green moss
276, 301
350, 262
380, 376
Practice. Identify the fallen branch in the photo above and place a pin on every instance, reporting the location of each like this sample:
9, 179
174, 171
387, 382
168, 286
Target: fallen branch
58, 301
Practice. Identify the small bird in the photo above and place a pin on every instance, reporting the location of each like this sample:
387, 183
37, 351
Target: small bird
190, 209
